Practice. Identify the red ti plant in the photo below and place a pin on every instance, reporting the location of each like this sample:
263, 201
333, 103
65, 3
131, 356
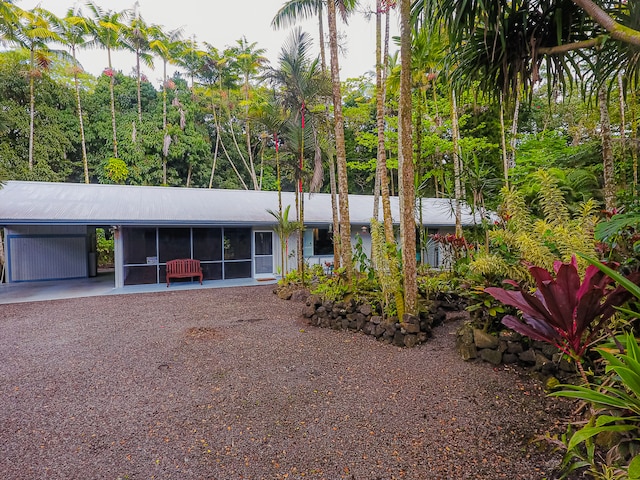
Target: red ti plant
564, 311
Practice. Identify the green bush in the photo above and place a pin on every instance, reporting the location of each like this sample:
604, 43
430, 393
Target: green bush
104, 248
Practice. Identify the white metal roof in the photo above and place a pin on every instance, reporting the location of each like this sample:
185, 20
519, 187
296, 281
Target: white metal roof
92, 204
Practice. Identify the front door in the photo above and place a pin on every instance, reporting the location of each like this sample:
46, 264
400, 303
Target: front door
263, 254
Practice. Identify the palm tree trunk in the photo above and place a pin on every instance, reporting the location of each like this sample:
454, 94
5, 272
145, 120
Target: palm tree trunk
623, 125
252, 170
405, 159
164, 123
337, 252
503, 140
215, 160
323, 56
341, 154
300, 240
381, 154
139, 87
333, 189
607, 151
514, 128
301, 210
32, 107
457, 163
85, 162
113, 105
634, 140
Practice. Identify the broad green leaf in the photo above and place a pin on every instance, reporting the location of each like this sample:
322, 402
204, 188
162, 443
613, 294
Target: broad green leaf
630, 379
588, 432
628, 284
634, 468
603, 420
590, 395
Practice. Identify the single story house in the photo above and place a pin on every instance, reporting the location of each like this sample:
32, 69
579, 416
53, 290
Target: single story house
49, 229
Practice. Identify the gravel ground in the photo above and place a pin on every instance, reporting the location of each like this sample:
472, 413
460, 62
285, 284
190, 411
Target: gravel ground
232, 384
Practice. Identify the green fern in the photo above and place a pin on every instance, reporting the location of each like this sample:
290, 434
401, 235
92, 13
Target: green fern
551, 199
386, 267
523, 239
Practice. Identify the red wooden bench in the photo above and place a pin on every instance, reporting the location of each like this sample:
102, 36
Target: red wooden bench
183, 268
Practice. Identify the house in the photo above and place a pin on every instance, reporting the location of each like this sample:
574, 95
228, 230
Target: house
49, 229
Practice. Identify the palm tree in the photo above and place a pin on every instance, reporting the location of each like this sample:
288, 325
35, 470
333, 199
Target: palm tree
341, 154
302, 85
284, 229
247, 59
191, 58
74, 30
106, 27
9, 15
294, 10
166, 46
405, 160
33, 32
291, 11
135, 38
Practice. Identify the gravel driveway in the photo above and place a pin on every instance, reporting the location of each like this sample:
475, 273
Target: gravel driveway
231, 384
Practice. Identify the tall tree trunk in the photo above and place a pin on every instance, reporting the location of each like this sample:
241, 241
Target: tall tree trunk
514, 128
300, 239
83, 143
457, 164
323, 57
609, 190
405, 159
337, 252
301, 199
139, 81
503, 141
32, 107
216, 121
333, 189
252, 169
379, 112
341, 154
382, 178
164, 124
634, 139
113, 104
623, 126
213, 164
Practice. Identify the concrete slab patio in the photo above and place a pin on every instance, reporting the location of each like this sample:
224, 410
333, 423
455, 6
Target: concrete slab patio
103, 284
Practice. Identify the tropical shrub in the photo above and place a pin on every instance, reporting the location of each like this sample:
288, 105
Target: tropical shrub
332, 288
616, 400
564, 311
520, 237
388, 271
104, 248
620, 237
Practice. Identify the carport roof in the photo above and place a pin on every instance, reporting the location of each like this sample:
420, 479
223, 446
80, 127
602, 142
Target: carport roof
42, 203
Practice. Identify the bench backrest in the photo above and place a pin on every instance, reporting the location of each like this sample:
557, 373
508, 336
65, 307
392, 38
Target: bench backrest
183, 265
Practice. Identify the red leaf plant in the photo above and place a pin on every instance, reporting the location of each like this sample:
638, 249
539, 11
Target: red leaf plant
563, 311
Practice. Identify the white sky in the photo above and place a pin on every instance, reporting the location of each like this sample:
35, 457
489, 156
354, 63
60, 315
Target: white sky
222, 22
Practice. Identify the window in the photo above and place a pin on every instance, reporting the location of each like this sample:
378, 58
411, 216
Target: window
174, 243
139, 245
322, 241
